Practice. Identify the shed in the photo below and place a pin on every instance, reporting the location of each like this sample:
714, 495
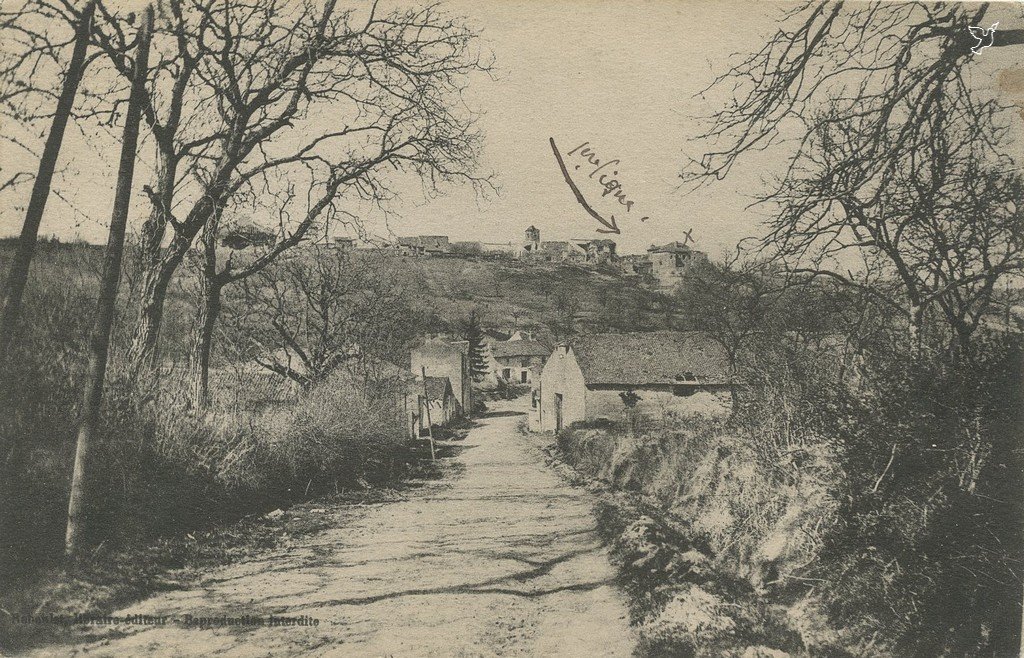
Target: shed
437, 402
440, 358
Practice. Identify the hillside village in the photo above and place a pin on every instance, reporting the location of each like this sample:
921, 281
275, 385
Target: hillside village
440, 383
662, 266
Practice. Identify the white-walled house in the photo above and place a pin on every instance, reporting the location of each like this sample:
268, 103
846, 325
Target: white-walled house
439, 358
517, 361
658, 373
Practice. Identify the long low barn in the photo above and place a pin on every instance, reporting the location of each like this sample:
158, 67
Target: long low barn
598, 377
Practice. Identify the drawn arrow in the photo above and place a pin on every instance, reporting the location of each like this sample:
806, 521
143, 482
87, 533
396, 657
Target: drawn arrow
609, 227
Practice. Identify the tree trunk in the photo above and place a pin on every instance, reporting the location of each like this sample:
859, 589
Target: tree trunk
18, 275
142, 352
99, 343
202, 344
916, 325
155, 226
208, 312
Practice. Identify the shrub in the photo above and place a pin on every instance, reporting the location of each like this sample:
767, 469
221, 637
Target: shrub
894, 488
506, 390
159, 469
929, 549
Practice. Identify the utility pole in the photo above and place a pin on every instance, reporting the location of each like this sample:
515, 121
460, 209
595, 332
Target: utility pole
99, 342
426, 405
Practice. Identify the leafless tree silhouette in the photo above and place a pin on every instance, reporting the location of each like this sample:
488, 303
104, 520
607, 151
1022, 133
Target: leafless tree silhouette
892, 150
245, 95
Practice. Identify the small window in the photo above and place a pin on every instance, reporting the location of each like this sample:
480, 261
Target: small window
523, 376
506, 374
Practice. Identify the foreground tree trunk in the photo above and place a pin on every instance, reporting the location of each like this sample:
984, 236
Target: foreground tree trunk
99, 344
18, 275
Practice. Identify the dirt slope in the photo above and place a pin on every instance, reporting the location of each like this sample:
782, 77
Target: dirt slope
499, 557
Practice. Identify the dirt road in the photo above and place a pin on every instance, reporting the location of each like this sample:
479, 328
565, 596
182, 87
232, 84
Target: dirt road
499, 557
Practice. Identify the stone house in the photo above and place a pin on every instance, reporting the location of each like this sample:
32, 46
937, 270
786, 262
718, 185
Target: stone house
655, 374
597, 252
424, 245
636, 265
532, 243
671, 262
517, 361
584, 251
559, 251
439, 358
344, 244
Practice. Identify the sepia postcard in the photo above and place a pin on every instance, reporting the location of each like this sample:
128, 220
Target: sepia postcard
511, 328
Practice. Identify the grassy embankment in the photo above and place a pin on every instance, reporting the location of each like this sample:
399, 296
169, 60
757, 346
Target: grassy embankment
874, 515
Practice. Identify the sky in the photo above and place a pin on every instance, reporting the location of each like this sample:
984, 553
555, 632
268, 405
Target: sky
622, 78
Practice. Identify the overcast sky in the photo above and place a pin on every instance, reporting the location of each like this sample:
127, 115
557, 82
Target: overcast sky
619, 76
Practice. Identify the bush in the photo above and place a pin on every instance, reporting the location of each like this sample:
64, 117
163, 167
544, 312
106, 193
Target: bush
166, 470
929, 551
894, 488
507, 390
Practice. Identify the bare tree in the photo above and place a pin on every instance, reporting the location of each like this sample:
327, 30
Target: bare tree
896, 154
99, 344
18, 274
230, 79
733, 303
362, 177
318, 309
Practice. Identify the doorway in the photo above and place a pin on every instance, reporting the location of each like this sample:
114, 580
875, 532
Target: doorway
558, 412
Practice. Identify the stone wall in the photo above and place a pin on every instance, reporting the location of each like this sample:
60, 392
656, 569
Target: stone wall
515, 365
657, 402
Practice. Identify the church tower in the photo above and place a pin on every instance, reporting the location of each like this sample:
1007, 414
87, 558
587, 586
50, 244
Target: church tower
532, 239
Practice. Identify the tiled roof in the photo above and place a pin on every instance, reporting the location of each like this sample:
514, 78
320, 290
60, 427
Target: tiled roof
656, 357
518, 348
437, 387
